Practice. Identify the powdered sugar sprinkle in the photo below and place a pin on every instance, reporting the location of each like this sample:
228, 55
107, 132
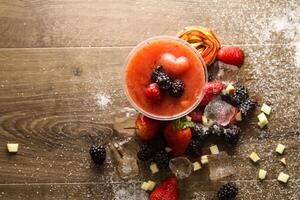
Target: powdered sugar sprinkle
103, 100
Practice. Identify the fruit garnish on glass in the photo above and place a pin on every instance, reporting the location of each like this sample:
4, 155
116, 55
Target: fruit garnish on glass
203, 39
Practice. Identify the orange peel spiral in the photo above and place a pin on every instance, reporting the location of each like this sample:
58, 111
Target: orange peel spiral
203, 40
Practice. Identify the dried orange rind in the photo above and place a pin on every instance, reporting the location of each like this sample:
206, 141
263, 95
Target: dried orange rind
203, 40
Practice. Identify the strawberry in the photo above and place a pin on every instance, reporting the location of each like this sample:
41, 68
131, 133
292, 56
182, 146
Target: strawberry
178, 135
166, 190
233, 119
153, 93
231, 55
146, 128
196, 116
211, 89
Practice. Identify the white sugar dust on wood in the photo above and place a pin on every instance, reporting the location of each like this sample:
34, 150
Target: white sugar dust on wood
103, 100
280, 22
128, 191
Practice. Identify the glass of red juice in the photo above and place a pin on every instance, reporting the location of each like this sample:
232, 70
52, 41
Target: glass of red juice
180, 61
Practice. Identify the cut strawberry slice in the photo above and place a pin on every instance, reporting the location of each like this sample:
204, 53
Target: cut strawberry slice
231, 55
166, 190
153, 93
211, 89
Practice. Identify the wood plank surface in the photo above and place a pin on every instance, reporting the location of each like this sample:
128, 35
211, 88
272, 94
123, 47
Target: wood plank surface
71, 23
116, 191
61, 65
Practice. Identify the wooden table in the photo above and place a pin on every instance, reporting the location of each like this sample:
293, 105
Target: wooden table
60, 70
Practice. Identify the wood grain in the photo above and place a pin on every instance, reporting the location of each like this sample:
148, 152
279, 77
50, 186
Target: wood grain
61, 90
67, 191
194, 190
73, 23
50, 105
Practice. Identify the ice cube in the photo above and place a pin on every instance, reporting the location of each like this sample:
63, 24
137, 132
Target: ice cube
220, 111
126, 163
220, 166
181, 167
225, 72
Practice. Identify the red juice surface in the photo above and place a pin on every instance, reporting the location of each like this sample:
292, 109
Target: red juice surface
141, 65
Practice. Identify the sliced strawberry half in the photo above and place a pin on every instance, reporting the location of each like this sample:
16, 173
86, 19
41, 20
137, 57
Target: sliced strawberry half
231, 55
153, 93
211, 89
166, 190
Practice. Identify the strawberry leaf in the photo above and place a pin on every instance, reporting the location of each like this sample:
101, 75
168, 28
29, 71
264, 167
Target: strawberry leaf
183, 123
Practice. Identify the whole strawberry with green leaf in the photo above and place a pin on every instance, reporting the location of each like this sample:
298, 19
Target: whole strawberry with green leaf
178, 135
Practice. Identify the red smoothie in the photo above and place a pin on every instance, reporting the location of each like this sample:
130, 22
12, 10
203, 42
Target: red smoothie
180, 61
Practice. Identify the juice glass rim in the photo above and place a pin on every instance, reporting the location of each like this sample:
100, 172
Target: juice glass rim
163, 117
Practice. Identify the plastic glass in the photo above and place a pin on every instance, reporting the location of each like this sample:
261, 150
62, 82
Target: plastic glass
164, 117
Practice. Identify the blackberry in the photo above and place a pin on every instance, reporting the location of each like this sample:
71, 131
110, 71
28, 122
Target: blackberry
239, 95
247, 108
158, 70
200, 132
158, 142
216, 130
227, 192
161, 78
194, 148
98, 154
161, 158
145, 153
177, 88
232, 134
